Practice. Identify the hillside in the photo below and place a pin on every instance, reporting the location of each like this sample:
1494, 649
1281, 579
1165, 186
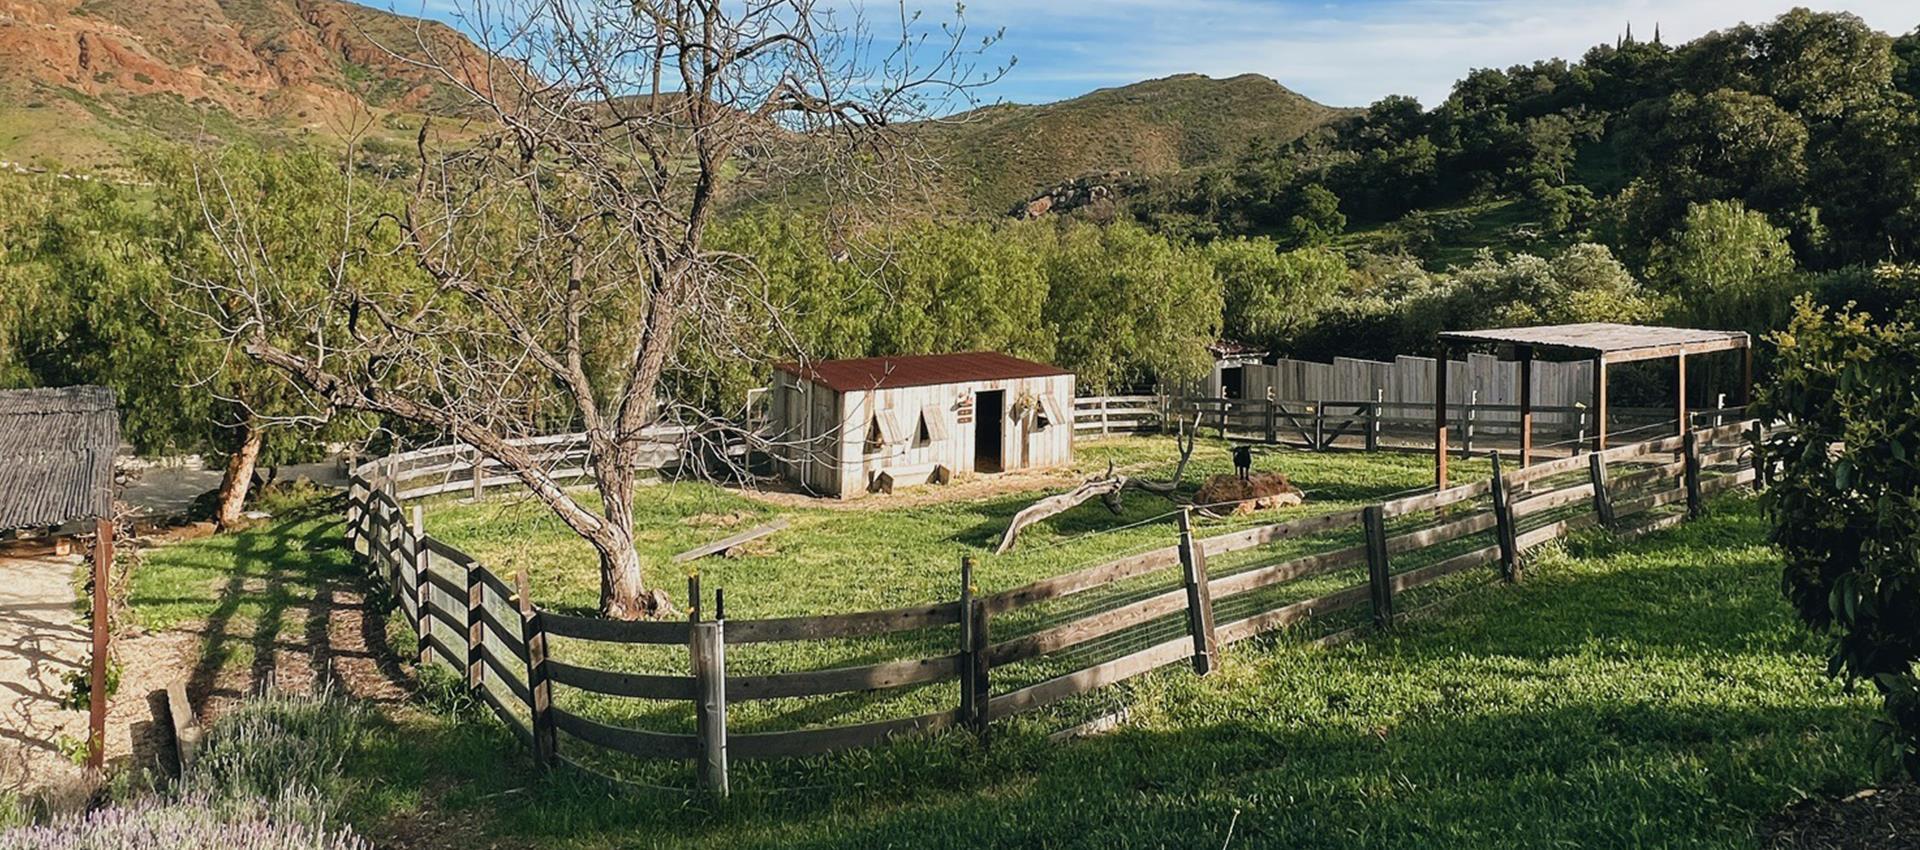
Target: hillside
87, 81
998, 156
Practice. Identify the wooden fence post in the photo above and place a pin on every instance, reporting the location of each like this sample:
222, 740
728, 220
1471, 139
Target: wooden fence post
1319, 424
422, 562
476, 636
973, 653
1373, 420
1193, 564
1602, 500
1690, 447
708, 646
534, 635
1469, 416
1379, 574
1273, 419
1105, 428
1503, 524
479, 475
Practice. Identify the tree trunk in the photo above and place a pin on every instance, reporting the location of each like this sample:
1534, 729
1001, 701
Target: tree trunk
623, 588
239, 477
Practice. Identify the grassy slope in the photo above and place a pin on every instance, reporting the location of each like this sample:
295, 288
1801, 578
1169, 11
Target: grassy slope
1654, 692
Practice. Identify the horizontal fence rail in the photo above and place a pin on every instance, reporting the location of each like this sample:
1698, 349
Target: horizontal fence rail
1015, 650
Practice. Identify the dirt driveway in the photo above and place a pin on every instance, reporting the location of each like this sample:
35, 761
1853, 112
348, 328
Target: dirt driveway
42, 641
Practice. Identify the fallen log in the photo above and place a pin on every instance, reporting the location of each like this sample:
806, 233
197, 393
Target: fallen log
1109, 488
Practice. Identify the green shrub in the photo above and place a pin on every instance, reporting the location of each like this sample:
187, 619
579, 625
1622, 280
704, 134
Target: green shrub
279, 747
1845, 502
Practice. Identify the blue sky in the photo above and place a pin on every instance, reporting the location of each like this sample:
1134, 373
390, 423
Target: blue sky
1344, 53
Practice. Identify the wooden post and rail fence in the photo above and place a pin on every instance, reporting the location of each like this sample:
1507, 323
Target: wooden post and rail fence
1003, 652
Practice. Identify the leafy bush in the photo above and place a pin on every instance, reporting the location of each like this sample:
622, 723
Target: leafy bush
1845, 503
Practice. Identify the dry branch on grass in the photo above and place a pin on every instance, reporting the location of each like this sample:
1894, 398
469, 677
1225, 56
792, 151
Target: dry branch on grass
1109, 488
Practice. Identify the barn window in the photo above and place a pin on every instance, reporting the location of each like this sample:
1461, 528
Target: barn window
882, 431
1045, 413
932, 427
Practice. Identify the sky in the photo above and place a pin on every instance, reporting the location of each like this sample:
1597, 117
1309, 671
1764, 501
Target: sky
1339, 53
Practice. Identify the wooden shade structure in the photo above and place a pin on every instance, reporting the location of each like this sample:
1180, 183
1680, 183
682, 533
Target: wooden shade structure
1605, 343
56, 467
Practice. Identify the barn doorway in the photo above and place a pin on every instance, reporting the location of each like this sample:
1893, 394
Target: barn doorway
1233, 382
990, 411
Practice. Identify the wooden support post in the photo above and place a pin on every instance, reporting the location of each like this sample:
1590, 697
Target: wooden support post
479, 475
1600, 404
1503, 524
1690, 447
1746, 377
476, 627
534, 635
101, 627
1467, 422
1373, 419
1273, 419
1602, 500
969, 698
1379, 573
708, 646
1680, 394
1525, 353
1440, 419
421, 563
1319, 425
977, 677
1193, 566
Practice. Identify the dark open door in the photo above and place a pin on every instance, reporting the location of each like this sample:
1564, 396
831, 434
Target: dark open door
990, 411
1233, 382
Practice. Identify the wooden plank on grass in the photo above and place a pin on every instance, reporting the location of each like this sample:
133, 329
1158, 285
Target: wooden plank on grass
807, 742
1098, 676
1289, 614
1717, 483
633, 742
1649, 502
871, 677
725, 543
859, 624
614, 683
1068, 584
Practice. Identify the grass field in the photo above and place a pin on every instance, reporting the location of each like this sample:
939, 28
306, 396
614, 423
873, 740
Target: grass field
1654, 692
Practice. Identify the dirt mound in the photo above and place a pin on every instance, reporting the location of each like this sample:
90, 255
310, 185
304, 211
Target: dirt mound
1867, 820
1231, 494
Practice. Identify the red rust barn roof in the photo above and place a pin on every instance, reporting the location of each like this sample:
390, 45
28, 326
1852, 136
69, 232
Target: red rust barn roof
56, 455
918, 370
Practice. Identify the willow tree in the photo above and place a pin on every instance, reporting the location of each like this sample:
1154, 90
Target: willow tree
560, 225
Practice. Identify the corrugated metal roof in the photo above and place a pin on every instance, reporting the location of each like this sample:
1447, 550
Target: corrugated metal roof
918, 370
56, 455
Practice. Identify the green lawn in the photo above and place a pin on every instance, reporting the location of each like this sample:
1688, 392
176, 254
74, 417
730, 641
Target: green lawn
1654, 692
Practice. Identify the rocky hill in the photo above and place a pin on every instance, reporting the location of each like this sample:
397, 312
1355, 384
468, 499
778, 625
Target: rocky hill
1002, 156
86, 81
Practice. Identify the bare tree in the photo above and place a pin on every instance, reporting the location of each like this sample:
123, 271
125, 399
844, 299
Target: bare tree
553, 242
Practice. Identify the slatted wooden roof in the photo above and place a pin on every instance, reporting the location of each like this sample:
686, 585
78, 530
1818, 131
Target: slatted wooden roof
1608, 341
56, 455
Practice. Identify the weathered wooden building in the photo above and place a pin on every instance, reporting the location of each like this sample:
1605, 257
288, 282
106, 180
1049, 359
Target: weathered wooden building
846, 427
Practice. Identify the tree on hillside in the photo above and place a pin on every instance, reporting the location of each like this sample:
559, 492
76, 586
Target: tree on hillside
1271, 296
1727, 267
1128, 307
563, 242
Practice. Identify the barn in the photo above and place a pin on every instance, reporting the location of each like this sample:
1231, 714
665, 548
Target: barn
847, 427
